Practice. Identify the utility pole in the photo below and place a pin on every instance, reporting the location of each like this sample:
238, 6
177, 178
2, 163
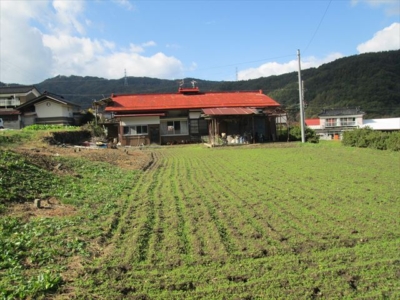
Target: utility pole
125, 80
304, 103
303, 139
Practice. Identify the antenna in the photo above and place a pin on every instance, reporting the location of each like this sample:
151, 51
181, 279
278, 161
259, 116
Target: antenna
125, 80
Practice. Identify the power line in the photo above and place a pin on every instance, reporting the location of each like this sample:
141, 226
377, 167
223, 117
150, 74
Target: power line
319, 25
246, 62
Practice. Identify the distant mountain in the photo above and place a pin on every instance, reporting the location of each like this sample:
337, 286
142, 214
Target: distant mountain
370, 81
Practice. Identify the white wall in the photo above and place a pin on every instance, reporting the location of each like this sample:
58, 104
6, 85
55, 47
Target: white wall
49, 109
126, 121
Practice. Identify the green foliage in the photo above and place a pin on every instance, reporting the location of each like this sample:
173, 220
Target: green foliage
368, 138
94, 129
17, 186
15, 137
249, 234
38, 243
88, 117
310, 134
49, 127
35, 252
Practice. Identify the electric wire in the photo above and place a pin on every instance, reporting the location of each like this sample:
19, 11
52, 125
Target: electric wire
319, 25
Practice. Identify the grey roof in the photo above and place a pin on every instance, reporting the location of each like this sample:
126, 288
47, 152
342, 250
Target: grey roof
340, 112
48, 95
16, 89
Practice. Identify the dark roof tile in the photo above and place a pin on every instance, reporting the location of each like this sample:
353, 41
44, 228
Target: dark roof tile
341, 112
16, 89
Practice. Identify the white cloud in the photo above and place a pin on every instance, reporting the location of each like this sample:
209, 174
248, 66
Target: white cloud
83, 56
23, 57
61, 47
149, 44
157, 66
140, 48
384, 40
67, 15
274, 68
125, 4
391, 7
173, 46
193, 66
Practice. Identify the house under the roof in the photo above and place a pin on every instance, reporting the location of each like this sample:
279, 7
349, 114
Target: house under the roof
193, 116
48, 108
10, 98
333, 122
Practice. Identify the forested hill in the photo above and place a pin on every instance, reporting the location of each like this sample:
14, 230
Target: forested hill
370, 81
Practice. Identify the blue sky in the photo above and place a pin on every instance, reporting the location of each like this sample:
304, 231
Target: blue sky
210, 40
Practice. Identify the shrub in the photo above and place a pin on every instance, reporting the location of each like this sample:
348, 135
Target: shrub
49, 127
393, 141
368, 138
95, 130
310, 135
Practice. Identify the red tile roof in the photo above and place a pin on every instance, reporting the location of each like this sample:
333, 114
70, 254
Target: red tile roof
312, 122
157, 102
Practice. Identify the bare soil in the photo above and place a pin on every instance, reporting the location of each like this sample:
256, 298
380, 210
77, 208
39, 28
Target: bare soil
43, 157
126, 158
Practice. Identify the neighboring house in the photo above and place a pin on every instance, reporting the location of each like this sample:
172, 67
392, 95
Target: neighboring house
388, 124
48, 108
192, 116
10, 98
313, 123
333, 122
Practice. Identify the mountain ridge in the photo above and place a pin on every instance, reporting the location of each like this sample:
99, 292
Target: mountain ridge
370, 81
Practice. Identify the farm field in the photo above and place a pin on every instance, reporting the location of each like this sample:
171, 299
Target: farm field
254, 222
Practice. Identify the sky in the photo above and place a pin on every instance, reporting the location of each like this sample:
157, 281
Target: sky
208, 40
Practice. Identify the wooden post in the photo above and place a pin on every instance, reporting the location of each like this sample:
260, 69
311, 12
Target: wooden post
36, 202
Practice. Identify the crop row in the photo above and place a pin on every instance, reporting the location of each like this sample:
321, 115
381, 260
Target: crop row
205, 223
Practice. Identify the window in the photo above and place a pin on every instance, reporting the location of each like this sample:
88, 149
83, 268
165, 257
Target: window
174, 127
194, 126
330, 122
348, 121
10, 118
135, 130
198, 127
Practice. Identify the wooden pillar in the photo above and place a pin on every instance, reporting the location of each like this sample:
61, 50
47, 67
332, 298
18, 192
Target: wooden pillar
252, 129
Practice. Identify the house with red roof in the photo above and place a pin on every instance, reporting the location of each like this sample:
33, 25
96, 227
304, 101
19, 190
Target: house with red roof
193, 116
313, 123
334, 121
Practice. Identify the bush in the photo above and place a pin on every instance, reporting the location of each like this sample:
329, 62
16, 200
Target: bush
310, 135
393, 141
36, 127
95, 130
368, 138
